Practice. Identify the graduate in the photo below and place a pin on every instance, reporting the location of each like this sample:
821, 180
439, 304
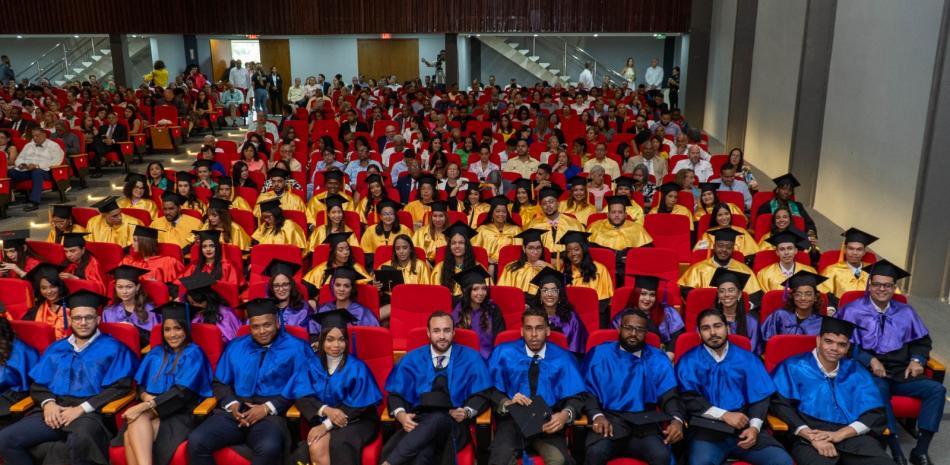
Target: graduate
18, 258
206, 307
576, 203
174, 227
250, 382
784, 197
734, 307
829, 433
338, 396
292, 307
287, 200
627, 380
522, 271
580, 270
49, 294
385, 230
366, 207
802, 313
16, 360
431, 236
649, 297
848, 274
531, 372
624, 187
340, 255
721, 217
111, 225
787, 244
334, 184
435, 392
667, 203
476, 311
551, 219
726, 391
334, 223
473, 206
700, 274
497, 230
218, 217
414, 270
61, 219
894, 344
71, 427
226, 191
276, 229
524, 204
80, 264
184, 186
131, 304
459, 256
551, 297
619, 234
144, 254
210, 259
135, 194
172, 380
343, 285
708, 200
425, 195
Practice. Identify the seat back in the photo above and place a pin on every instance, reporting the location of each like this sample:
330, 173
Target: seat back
512, 252
690, 339
49, 252
82, 215
831, 257
245, 219
262, 254
108, 254
670, 231
586, 305
417, 338
508, 335
768, 257
511, 301
783, 346
206, 335
125, 333
36, 334
366, 295
411, 306
656, 261
139, 214
374, 346
700, 299
851, 296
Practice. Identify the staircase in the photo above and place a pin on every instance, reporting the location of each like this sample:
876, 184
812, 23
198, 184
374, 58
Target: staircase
550, 58
511, 49
77, 58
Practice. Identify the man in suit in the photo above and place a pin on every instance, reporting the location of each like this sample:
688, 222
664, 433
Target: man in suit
649, 155
406, 184
275, 87
17, 122
352, 124
108, 141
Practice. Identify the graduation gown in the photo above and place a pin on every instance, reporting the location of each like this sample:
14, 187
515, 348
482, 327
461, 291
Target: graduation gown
492, 239
418, 211
808, 397
700, 275
771, 277
180, 233
703, 211
422, 275
475, 212
528, 213
745, 243
98, 374
671, 325
783, 321
630, 234
228, 273
14, 375
288, 201
288, 234
92, 272
752, 332
239, 237
319, 234
841, 279
680, 210
45, 313
142, 204
371, 241
602, 283
429, 241
797, 209
100, 231
363, 315
161, 268
314, 207
352, 389
116, 313
564, 224
893, 337
486, 336
177, 391
53, 238
296, 316
738, 383
227, 322
520, 278
238, 203
580, 212
318, 275
635, 212
573, 329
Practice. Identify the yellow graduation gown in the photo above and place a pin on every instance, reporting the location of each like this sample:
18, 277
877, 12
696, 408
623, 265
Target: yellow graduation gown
564, 224
239, 203
493, 240
422, 275
100, 231
520, 278
142, 204
239, 237
579, 212
197, 206
700, 274
681, 210
418, 211
603, 283
841, 279
700, 211
771, 277
635, 212
629, 234
75, 228
475, 213
288, 201
180, 233
290, 234
316, 275
315, 206
429, 242
371, 240
437, 277
745, 243
319, 235
528, 213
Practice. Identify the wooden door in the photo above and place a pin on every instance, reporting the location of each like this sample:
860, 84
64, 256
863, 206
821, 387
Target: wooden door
385, 57
220, 58
276, 52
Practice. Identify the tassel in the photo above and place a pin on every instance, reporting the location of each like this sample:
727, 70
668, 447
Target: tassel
526, 459
65, 315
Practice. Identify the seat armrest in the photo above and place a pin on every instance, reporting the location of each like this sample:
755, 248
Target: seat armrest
205, 407
112, 407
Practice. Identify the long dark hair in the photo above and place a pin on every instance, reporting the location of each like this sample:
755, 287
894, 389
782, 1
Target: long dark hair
167, 349
329, 227
212, 311
139, 300
466, 310
564, 308
54, 281
815, 307
295, 299
588, 269
236, 176
413, 259
447, 278
715, 212
323, 355
225, 217
516, 208
148, 169
741, 326
6, 340
279, 220
21, 254
130, 186
379, 223
371, 202
148, 247
81, 265
215, 261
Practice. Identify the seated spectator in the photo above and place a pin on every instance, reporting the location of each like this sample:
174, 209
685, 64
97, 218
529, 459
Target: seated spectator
34, 163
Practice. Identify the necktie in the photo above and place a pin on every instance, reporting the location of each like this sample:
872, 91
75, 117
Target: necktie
109, 132
533, 371
440, 362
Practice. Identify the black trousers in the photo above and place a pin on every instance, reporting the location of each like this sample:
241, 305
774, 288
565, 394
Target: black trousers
265, 438
84, 437
424, 444
806, 454
508, 444
650, 449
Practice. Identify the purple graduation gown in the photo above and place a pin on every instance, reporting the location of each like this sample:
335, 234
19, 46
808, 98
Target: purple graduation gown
486, 337
785, 322
752, 332
363, 315
882, 333
116, 313
228, 325
574, 330
297, 317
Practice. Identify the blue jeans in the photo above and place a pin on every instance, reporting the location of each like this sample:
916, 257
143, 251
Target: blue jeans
715, 453
931, 394
260, 100
37, 176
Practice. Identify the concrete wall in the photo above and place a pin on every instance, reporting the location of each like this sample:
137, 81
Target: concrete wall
878, 89
171, 50
721, 43
780, 29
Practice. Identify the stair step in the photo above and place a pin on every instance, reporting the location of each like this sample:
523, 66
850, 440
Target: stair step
96, 57
554, 71
514, 45
77, 70
59, 82
69, 76
105, 51
544, 65
524, 51
534, 58
87, 63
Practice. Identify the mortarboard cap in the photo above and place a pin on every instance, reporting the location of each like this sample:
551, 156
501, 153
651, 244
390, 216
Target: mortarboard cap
332, 175
333, 200
219, 204
145, 231
837, 326
804, 278
208, 235
173, 197
374, 178
551, 191
885, 268
335, 238
272, 205
725, 275
74, 239
396, 206
43, 270
570, 237
531, 235
646, 282
857, 235
197, 282
439, 206
708, 186
338, 318
471, 276
85, 298
790, 235
277, 266
670, 187
279, 173
106, 205
626, 181
426, 179
522, 183
15, 238
618, 199
578, 181
459, 227
260, 306
724, 234
172, 310
63, 211
548, 275
184, 176
786, 179
348, 272
128, 272
225, 181
530, 419
498, 200
204, 162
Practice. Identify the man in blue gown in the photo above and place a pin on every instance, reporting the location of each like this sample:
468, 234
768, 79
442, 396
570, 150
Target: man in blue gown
894, 344
726, 391
74, 379
627, 381
249, 381
830, 403
530, 371
435, 391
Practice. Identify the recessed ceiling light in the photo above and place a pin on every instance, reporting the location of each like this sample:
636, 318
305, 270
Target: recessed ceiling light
75, 36
19, 37
595, 35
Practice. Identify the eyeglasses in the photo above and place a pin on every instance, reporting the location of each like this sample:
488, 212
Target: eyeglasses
634, 329
882, 285
281, 285
550, 290
803, 295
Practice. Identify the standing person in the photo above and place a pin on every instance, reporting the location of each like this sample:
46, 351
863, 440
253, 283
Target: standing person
71, 404
6, 71
158, 77
239, 78
586, 78
439, 65
630, 73
249, 383
654, 79
259, 83
673, 83
275, 90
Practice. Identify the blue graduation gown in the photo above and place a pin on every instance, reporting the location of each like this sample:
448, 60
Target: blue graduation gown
466, 375
192, 371
67, 373
558, 377
622, 381
14, 374
351, 385
739, 380
840, 400
786, 322
255, 371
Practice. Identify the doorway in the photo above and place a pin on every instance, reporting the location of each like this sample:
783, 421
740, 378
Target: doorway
385, 57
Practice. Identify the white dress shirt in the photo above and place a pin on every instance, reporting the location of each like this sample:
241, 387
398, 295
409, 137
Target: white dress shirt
859, 427
654, 77
716, 413
702, 169
43, 156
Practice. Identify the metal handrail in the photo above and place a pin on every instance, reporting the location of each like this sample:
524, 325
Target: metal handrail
611, 73
73, 51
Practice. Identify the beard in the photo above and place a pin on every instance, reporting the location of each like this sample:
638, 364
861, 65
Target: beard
631, 347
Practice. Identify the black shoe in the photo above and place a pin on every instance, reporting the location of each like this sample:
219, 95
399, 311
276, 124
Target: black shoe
921, 459
96, 175
33, 207
900, 460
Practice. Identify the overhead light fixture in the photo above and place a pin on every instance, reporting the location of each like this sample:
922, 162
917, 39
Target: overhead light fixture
134, 36
478, 35
595, 35
660, 36
19, 37
535, 35
75, 36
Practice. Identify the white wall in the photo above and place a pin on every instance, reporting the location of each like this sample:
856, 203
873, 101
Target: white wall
171, 50
721, 40
779, 31
878, 88
429, 47
311, 55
